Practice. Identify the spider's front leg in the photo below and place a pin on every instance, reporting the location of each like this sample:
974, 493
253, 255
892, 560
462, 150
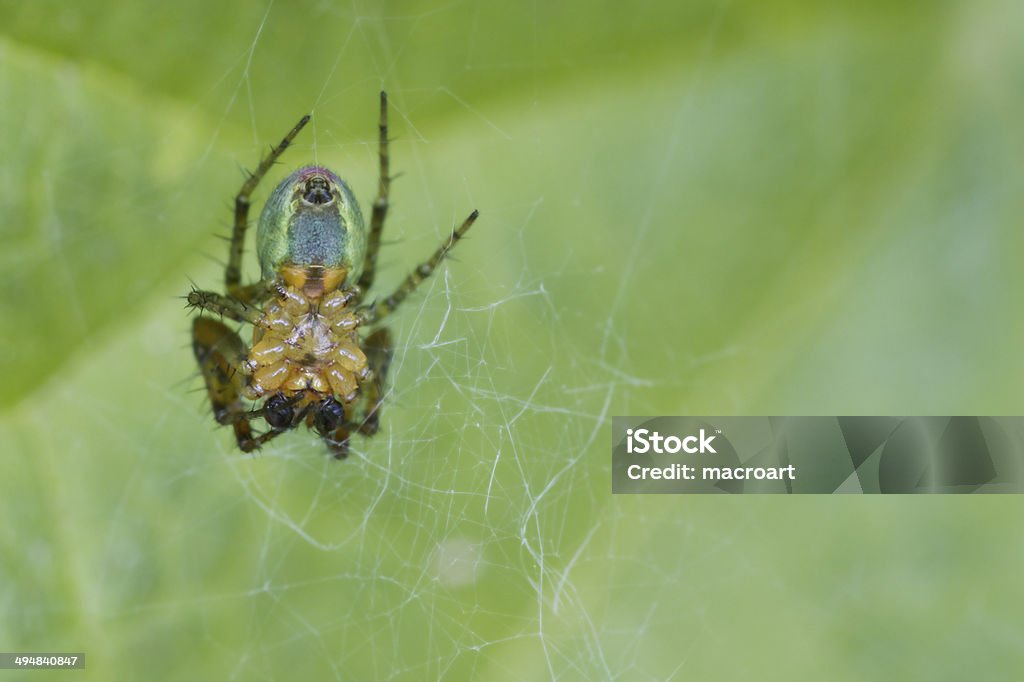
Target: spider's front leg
337, 442
379, 350
336, 421
220, 353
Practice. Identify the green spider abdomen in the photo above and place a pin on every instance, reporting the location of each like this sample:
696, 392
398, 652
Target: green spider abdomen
311, 218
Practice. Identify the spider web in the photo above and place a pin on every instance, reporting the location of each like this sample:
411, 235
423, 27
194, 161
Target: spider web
453, 543
676, 217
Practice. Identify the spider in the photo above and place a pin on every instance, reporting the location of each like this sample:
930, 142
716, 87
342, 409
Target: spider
307, 363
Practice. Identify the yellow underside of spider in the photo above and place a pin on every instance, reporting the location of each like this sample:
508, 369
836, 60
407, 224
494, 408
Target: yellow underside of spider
307, 339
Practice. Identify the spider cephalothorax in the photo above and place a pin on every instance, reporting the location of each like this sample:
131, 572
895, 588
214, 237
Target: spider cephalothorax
304, 343
307, 362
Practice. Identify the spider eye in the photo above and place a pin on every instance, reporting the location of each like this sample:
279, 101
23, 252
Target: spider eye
330, 415
278, 411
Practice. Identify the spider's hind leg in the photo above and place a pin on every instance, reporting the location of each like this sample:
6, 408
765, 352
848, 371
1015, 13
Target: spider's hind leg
233, 270
220, 352
378, 310
381, 203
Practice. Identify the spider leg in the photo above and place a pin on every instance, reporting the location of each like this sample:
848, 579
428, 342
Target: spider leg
225, 306
337, 442
380, 205
379, 310
233, 271
220, 352
257, 292
379, 349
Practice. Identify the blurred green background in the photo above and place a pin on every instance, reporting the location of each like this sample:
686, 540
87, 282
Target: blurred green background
687, 208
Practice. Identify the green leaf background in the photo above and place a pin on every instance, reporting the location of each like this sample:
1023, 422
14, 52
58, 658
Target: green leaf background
687, 208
